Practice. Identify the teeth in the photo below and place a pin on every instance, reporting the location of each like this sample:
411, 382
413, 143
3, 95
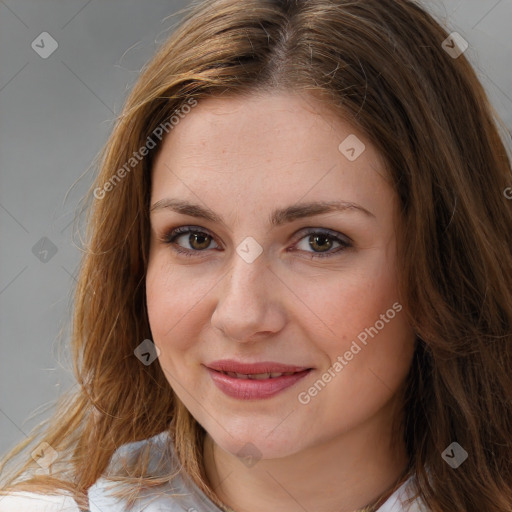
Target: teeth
257, 376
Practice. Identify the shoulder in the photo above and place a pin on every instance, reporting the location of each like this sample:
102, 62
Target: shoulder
33, 502
179, 493
159, 452
158, 449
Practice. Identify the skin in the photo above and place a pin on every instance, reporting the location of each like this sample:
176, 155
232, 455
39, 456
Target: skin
243, 157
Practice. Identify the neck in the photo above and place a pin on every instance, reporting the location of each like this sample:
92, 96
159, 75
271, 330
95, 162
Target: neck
341, 474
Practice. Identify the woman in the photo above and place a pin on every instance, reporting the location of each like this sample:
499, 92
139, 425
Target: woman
297, 288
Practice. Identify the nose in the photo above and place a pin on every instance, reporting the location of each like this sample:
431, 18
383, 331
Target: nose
248, 306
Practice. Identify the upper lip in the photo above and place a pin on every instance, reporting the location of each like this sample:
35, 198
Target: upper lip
230, 365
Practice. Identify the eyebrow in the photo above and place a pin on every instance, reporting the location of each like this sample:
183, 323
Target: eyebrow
278, 217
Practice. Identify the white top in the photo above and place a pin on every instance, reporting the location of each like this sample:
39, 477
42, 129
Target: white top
192, 499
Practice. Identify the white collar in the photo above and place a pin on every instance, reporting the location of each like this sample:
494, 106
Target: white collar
397, 502
193, 499
101, 501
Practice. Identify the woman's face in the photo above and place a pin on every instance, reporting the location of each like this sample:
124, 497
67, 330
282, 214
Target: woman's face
268, 276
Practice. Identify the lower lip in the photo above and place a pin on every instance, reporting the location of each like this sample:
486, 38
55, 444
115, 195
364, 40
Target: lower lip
252, 389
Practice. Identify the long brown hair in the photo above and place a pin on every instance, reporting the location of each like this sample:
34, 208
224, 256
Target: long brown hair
382, 65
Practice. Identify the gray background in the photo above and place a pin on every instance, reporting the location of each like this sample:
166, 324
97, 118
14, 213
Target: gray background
56, 114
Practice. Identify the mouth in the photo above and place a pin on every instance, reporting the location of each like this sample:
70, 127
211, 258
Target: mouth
257, 376
254, 381
231, 366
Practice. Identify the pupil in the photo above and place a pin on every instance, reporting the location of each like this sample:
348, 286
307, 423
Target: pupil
196, 236
320, 237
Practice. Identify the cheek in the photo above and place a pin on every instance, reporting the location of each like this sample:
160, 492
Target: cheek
358, 316
341, 305
170, 300
375, 344
176, 297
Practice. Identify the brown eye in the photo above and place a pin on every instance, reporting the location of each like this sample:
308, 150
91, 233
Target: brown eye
320, 244
198, 240
201, 239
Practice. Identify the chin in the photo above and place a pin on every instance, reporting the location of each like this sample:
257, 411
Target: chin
258, 444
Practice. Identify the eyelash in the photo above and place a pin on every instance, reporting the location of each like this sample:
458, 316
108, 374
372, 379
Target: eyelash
173, 234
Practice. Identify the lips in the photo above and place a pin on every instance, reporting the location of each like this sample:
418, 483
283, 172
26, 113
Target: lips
253, 381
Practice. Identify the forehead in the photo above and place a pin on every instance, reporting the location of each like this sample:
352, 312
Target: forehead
247, 148
245, 123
